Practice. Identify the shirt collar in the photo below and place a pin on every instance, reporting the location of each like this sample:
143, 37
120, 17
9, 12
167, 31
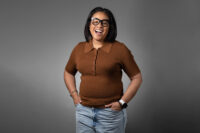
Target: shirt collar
106, 46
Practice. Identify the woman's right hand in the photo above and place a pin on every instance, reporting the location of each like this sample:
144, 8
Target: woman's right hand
76, 99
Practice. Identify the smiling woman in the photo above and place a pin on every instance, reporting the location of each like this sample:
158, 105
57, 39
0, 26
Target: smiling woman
101, 103
96, 19
99, 26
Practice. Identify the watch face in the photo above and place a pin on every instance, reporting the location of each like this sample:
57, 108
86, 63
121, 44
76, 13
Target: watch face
124, 105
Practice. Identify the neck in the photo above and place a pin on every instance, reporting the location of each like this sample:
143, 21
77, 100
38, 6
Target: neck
97, 43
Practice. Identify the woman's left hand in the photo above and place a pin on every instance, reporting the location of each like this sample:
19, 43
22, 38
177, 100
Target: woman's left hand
114, 106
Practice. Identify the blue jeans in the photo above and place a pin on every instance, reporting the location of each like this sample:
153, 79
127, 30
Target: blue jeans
100, 120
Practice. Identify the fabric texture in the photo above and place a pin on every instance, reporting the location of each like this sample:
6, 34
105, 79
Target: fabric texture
101, 71
95, 120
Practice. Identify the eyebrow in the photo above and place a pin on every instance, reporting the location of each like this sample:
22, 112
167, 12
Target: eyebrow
99, 19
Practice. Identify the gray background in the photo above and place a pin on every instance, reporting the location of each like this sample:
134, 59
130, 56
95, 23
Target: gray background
36, 40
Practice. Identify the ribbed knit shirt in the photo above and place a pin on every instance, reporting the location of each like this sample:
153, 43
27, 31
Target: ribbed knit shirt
101, 71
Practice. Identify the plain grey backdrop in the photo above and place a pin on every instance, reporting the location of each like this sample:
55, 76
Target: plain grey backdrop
37, 37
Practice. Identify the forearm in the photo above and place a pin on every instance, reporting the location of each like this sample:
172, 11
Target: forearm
70, 83
132, 88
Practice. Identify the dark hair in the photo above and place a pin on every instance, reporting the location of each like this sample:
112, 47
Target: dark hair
112, 33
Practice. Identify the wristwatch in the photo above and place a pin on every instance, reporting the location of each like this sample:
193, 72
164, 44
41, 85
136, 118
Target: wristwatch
123, 104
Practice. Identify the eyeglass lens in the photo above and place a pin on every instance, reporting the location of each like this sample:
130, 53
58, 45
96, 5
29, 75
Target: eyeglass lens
96, 21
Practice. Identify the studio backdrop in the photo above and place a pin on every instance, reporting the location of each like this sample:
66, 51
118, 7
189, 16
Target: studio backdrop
37, 37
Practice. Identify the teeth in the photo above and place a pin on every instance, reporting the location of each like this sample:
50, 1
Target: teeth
98, 31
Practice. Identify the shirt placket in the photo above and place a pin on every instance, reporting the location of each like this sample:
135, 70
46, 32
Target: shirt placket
96, 51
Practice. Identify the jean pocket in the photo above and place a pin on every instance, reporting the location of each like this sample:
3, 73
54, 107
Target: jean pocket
77, 104
116, 111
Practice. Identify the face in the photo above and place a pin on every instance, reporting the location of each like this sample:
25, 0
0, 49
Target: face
99, 30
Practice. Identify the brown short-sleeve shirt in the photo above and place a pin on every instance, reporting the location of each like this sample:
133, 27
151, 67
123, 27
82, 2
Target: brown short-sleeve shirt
101, 71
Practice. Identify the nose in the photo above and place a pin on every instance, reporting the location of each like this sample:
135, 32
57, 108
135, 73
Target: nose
100, 24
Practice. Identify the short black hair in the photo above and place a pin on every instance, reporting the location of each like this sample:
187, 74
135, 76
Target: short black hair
112, 33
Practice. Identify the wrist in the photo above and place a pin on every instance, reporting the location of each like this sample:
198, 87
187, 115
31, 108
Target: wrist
123, 104
120, 104
73, 93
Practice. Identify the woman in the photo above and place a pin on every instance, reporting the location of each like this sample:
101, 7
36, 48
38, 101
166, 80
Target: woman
101, 104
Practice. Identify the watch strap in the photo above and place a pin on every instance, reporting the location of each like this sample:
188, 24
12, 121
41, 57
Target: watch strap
122, 103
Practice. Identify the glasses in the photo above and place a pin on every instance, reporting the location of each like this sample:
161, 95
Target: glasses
96, 21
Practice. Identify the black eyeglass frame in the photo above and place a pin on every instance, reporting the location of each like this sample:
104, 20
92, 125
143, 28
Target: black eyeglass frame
101, 21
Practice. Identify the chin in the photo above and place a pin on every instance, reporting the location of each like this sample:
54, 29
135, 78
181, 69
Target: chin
98, 39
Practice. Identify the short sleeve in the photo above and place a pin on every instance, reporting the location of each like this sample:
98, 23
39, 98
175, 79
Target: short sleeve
71, 64
128, 63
